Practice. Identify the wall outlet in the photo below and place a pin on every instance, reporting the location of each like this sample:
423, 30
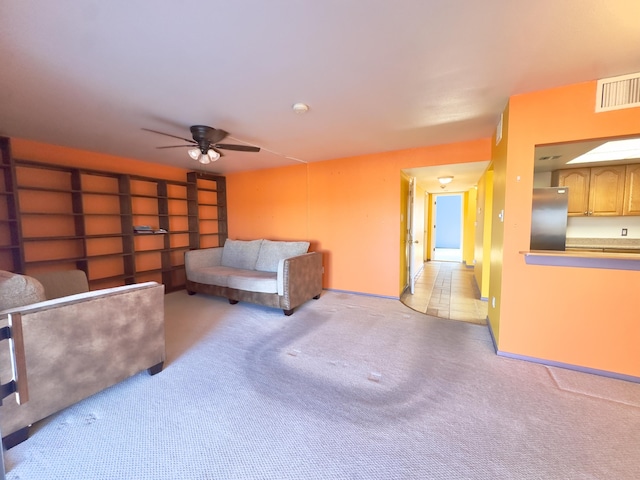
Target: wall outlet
624, 232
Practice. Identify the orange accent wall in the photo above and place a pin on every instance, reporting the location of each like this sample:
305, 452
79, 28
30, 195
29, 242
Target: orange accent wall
349, 208
273, 204
579, 316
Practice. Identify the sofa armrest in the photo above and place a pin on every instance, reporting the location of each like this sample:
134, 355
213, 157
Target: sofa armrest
300, 278
203, 257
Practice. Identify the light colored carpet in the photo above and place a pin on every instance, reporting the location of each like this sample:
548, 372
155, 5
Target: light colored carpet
349, 387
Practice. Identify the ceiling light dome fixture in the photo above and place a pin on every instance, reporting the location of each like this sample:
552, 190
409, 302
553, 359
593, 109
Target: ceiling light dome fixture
444, 181
204, 157
300, 107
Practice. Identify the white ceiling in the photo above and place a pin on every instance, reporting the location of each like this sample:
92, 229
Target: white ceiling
378, 75
465, 176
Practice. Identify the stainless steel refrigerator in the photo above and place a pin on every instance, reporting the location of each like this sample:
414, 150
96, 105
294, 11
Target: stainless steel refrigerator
549, 218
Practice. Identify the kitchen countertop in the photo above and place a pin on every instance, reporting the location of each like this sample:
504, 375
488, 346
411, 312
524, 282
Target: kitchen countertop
607, 253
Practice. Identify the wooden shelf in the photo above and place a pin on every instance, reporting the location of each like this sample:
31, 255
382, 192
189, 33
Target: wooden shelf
91, 219
52, 239
201, 209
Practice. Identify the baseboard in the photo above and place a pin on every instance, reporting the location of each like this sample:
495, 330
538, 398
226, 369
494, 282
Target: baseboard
493, 338
568, 366
362, 294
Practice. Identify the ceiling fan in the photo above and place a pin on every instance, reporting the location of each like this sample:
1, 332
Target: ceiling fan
204, 146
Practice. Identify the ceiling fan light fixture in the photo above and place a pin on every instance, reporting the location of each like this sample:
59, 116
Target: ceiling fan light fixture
203, 147
194, 153
445, 180
212, 155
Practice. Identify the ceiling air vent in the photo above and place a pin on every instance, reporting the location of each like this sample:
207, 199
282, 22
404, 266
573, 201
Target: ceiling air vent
616, 93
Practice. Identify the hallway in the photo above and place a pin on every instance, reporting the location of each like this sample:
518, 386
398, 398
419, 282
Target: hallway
447, 290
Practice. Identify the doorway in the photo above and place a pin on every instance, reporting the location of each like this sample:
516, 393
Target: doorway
446, 227
446, 288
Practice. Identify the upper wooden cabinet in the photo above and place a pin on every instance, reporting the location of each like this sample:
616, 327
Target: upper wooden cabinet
606, 190
596, 191
577, 179
632, 190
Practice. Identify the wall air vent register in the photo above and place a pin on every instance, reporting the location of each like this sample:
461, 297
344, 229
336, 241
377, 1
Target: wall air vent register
616, 93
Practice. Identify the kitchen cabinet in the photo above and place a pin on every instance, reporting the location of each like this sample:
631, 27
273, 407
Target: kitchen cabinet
577, 179
606, 190
596, 191
632, 190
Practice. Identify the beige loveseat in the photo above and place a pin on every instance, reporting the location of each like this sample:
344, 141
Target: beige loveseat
77, 344
273, 273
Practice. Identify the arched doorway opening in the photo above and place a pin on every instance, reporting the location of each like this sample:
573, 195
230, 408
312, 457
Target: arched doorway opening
447, 283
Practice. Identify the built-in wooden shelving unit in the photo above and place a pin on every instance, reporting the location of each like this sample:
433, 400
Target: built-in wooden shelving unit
62, 217
10, 232
207, 206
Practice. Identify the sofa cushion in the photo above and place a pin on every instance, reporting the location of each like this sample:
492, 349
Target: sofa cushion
18, 290
217, 275
241, 253
253, 281
271, 252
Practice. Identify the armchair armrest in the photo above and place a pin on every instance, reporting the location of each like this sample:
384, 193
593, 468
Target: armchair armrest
203, 257
300, 278
78, 345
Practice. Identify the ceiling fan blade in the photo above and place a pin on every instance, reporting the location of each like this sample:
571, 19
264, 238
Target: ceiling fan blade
239, 148
176, 146
215, 135
169, 135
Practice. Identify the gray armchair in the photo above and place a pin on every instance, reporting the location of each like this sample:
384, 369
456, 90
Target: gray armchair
76, 342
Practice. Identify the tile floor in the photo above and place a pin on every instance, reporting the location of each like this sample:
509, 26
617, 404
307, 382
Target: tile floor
447, 290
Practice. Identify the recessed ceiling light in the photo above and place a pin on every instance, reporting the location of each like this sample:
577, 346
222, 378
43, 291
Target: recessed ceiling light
300, 107
614, 150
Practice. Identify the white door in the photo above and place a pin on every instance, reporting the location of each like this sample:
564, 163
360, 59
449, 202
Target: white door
411, 243
415, 237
